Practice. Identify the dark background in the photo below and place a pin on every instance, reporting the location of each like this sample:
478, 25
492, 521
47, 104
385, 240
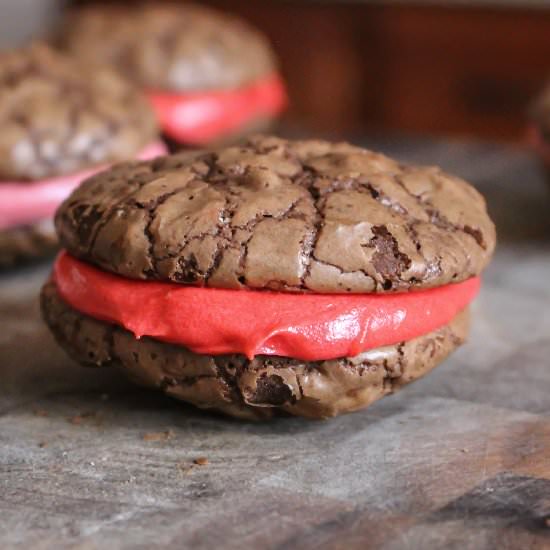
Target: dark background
438, 69
460, 68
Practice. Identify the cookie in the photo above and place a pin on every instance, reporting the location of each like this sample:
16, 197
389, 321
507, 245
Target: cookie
305, 278
59, 123
209, 75
540, 112
25, 243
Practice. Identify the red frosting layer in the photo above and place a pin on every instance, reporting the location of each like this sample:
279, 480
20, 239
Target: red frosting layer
202, 117
218, 321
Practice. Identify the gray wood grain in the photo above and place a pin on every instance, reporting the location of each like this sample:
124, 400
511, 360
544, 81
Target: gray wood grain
460, 459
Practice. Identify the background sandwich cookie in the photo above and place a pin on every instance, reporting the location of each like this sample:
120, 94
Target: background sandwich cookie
59, 123
304, 277
539, 130
210, 76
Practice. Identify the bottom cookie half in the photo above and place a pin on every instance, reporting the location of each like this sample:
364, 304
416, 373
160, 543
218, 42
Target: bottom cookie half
258, 388
26, 243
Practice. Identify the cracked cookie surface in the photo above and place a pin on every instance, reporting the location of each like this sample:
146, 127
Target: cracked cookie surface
59, 117
160, 46
281, 215
258, 388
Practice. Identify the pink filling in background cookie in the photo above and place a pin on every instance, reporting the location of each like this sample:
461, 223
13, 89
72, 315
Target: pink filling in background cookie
200, 118
27, 202
212, 321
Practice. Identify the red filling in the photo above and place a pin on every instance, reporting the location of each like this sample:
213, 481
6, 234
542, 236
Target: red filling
213, 321
202, 117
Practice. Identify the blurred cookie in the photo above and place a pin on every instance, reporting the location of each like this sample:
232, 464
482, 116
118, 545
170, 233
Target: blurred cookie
539, 131
27, 242
209, 75
59, 123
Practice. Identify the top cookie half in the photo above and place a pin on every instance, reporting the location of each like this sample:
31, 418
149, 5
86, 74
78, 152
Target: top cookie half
179, 47
58, 117
275, 214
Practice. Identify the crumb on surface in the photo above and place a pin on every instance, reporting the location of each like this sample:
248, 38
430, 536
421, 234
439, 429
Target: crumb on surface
77, 419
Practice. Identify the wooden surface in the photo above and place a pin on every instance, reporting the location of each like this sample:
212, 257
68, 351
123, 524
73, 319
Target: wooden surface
458, 460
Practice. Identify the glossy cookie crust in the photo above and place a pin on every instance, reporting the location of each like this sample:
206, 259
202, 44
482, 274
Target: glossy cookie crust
283, 215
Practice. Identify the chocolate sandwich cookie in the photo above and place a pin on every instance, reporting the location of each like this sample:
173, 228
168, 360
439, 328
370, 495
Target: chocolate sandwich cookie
210, 76
304, 277
59, 123
539, 131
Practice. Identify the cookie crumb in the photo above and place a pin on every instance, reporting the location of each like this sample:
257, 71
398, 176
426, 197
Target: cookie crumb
201, 461
158, 436
42, 444
40, 412
77, 419
465, 450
